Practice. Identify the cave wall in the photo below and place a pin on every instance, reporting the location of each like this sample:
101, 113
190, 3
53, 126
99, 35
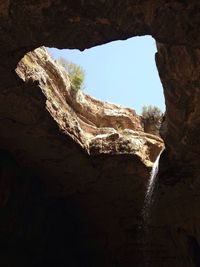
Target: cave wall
102, 193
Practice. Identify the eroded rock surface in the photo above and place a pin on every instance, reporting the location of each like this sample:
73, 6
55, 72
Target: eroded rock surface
98, 127
75, 160
50, 182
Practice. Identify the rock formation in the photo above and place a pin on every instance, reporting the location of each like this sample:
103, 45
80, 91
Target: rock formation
98, 127
72, 189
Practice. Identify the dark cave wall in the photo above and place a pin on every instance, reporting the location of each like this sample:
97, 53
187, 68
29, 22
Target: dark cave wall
46, 214
81, 228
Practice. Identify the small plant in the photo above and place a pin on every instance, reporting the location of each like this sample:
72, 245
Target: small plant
75, 72
152, 117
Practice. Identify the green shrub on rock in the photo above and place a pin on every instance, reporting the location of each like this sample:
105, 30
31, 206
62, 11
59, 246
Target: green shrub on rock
75, 72
151, 117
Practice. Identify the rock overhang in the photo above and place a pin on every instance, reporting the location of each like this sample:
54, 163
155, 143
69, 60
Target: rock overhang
98, 127
27, 126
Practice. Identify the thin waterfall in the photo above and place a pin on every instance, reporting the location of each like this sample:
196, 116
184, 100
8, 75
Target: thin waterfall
150, 188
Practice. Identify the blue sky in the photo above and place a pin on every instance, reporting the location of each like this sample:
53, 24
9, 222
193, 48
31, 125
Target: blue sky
120, 72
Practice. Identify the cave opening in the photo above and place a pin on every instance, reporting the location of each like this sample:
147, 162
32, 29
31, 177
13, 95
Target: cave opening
88, 207
120, 72
98, 125
111, 131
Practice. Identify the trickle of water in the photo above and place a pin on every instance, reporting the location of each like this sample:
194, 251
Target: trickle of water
150, 187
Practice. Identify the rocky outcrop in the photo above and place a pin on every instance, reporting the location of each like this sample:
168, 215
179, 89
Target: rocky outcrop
98, 127
62, 206
64, 156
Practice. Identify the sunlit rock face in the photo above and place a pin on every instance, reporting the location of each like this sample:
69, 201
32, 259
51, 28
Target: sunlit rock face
98, 127
86, 161
65, 202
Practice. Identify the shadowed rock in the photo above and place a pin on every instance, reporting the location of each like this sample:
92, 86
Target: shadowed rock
101, 167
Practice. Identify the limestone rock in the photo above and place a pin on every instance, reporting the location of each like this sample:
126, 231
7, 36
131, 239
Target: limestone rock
78, 161
99, 127
62, 206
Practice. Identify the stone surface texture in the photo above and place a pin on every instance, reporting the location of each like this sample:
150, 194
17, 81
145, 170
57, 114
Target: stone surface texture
72, 185
98, 127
